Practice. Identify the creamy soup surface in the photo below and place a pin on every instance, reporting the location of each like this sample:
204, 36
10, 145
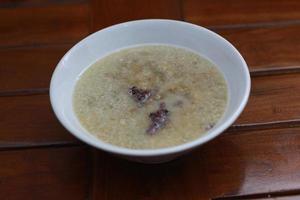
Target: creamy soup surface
150, 96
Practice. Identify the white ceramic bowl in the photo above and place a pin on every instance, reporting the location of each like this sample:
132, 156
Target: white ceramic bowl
103, 42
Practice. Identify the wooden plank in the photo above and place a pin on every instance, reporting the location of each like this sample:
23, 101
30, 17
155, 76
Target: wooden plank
273, 98
227, 12
29, 120
29, 67
61, 173
232, 165
55, 23
109, 12
265, 48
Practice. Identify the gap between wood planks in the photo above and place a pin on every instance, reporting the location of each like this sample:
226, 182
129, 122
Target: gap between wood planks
255, 25
40, 145
20, 4
257, 196
239, 128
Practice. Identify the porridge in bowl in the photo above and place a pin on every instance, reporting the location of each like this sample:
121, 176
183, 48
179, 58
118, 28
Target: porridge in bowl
150, 96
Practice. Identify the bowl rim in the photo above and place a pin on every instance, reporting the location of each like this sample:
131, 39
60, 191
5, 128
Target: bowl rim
159, 151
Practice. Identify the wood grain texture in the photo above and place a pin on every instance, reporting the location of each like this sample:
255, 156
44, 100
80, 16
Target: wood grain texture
218, 13
109, 12
265, 48
29, 120
61, 173
29, 67
62, 23
273, 98
258, 158
257, 162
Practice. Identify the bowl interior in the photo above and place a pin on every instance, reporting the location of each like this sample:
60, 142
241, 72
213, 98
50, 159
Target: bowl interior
169, 32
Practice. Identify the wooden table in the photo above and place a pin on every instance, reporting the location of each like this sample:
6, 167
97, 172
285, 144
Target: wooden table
257, 158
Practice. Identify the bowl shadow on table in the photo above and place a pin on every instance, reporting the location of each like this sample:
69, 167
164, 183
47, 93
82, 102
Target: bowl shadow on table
214, 170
